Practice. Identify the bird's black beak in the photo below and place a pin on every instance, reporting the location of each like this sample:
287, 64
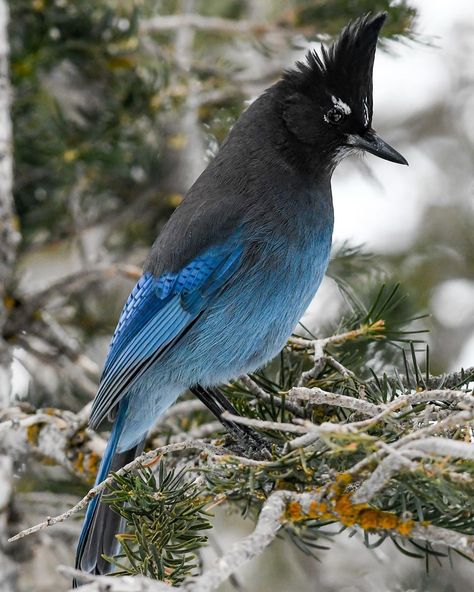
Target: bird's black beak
372, 143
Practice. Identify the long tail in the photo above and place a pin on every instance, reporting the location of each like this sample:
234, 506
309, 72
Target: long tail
101, 524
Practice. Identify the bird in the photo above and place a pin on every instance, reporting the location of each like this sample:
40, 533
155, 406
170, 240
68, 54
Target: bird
239, 261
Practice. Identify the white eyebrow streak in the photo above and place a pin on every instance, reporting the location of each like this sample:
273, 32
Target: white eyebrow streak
366, 113
344, 107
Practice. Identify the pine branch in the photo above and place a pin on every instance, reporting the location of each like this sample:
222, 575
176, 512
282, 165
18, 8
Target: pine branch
280, 508
141, 461
341, 458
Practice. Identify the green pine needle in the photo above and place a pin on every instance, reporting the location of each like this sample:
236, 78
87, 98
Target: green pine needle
165, 517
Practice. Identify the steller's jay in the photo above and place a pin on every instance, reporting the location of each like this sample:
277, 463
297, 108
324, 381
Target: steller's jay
241, 258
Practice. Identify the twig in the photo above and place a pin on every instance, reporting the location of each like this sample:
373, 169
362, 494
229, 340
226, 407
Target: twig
52, 333
443, 381
306, 427
444, 395
316, 396
53, 435
268, 425
321, 359
450, 380
443, 536
310, 432
21, 317
274, 399
415, 444
382, 475
140, 461
444, 447
80, 280
376, 329
455, 420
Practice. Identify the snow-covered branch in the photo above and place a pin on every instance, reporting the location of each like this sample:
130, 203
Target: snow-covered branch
143, 460
9, 238
53, 435
282, 507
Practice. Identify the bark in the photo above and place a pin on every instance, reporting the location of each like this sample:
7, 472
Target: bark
8, 242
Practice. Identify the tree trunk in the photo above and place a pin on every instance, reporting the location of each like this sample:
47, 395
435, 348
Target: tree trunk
8, 242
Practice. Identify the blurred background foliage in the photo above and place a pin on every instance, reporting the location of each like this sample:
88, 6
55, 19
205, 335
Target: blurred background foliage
95, 97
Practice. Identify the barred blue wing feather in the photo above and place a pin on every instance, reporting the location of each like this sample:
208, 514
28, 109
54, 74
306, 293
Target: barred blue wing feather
157, 312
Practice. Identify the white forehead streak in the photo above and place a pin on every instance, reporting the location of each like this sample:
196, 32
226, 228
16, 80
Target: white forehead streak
344, 107
366, 113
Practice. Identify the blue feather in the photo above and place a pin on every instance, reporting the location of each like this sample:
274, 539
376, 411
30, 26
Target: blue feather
156, 313
102, 474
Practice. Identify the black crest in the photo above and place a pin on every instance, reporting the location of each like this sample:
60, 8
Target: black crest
345, 68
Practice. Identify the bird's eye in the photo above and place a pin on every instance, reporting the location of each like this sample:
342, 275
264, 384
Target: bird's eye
334, 116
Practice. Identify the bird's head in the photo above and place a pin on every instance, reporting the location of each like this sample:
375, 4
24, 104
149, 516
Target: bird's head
327, 100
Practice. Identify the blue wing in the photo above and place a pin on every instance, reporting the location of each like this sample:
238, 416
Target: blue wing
157, 312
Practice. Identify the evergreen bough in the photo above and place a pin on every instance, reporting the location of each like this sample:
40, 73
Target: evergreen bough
348, 444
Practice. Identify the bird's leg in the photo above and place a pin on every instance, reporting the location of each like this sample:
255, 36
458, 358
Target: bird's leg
217, 403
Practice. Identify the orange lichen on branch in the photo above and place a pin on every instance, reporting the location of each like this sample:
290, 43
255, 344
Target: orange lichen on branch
342, 481
347, 512
85, 463
335, 503
319, 510
32, 434
405, 527
93, 461
78, 463
294, 512
387, 520
368, 519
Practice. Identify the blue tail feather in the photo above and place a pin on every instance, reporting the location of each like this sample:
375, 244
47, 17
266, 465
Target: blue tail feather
101, 523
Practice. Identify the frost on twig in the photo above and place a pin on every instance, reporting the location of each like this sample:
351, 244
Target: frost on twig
140, 461
321, 359
52, 435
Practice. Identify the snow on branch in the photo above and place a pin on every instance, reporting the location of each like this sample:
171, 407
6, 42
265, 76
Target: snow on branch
52, 435
144, 459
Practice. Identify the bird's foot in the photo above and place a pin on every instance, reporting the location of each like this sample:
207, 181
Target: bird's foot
250, 443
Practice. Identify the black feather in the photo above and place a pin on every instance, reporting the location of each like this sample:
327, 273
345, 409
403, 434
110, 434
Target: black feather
345, 68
